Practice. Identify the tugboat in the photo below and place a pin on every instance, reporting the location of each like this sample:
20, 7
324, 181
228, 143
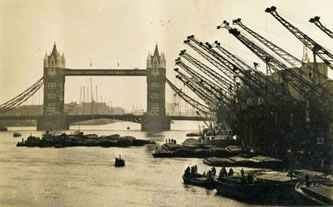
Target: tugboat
119, 162
17, 134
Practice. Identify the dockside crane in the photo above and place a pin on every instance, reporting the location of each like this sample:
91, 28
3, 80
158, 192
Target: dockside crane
233, 69
283, 54
251, 73
198, 76
280, 68
316, 48
217, 90
197, 89
265, 84
195, 104
205, 89
300, 75
229, 75
316, 21
234, 58
210, 72
225, 63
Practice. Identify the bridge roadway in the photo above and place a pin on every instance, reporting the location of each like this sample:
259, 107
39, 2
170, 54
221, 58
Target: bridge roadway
123, 117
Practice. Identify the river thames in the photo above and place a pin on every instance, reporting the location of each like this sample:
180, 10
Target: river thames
85, 176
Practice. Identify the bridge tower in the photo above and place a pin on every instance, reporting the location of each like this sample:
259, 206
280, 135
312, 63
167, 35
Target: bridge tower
155, 117
54, 82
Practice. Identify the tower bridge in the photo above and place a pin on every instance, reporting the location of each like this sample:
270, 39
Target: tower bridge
55, 72
54, 77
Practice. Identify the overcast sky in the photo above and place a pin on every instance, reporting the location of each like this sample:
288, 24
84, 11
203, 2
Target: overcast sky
107, 32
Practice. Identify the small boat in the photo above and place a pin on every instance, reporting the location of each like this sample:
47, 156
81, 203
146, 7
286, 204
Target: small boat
119, 162
199, 180
17, 134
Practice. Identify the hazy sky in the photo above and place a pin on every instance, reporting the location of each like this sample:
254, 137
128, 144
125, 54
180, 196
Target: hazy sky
106, 32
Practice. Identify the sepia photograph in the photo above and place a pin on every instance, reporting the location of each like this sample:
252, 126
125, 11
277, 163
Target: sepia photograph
166, 103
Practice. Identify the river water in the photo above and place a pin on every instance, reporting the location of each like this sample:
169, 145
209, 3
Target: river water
85, 176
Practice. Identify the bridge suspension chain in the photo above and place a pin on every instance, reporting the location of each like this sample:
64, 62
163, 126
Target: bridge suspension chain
22, 97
